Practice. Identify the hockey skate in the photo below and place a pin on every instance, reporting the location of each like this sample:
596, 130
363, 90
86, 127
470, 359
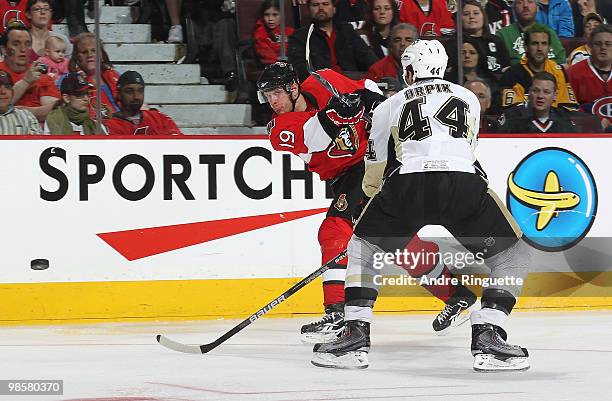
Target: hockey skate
328, 328
455, 313
492, 353
349, 351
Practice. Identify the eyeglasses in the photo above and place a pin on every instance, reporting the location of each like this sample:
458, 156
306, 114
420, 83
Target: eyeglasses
40, 10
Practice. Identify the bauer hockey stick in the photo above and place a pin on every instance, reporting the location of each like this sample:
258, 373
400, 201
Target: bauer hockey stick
204, 348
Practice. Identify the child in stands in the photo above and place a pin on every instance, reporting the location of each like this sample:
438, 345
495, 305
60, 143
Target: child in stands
267, 33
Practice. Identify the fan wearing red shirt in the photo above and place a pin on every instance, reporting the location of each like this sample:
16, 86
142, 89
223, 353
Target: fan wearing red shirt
131, 120
431, 17
12, 10
401, 36
34, 90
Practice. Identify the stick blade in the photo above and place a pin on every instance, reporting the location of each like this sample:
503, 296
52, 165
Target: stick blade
177, 346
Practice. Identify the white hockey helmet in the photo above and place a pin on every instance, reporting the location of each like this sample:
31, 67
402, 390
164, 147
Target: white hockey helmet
427, 57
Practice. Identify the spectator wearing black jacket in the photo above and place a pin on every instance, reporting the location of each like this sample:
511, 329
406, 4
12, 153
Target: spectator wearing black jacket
477, 28
537, 115
332, 45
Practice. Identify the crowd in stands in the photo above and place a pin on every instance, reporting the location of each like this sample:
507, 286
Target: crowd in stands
544, 63
547, 60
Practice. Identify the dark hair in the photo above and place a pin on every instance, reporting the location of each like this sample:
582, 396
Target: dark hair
485, 18
32, 2
603, 28
369, 27
545, 76
536, 28
268, 4
10, 27
73, 66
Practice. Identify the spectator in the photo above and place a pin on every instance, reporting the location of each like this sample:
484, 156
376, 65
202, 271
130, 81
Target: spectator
332, 45
580, 10
537, 115
512, 35
431, 17
517, 79
84, 60
75, 17
12, 11
351, 11
55, 57
499, 14
267, 32
593, 77
14, 121
70, 116
33, 90
402, 35
175, 34
131, 120
482, 90
556, 14
381, 16
591, 21
40, 14
474, 64
475, 27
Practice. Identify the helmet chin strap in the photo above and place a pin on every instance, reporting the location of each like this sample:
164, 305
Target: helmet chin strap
293, 101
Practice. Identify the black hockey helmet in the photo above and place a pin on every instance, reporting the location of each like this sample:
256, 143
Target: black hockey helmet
277, 75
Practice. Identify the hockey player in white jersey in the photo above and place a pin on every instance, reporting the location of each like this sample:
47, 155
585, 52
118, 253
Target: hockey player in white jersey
426, 134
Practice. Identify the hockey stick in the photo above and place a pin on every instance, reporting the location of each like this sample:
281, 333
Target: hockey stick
204, 348
324, 82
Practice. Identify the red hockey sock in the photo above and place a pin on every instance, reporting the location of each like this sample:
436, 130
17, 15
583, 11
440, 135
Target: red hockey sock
426, 260
334, 235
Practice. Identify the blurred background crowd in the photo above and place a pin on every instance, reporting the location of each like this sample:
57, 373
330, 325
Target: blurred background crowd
537, 66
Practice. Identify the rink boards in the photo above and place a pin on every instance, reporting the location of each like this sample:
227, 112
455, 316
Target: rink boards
209, 227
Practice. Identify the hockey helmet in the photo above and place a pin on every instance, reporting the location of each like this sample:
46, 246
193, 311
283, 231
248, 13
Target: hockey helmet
276, 75
427, 57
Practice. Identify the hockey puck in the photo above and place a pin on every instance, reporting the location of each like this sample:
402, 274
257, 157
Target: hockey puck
39, 264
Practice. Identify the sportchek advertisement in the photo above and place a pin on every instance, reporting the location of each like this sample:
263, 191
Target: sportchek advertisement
198, 208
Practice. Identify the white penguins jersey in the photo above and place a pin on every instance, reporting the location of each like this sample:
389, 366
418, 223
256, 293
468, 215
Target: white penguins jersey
434, 127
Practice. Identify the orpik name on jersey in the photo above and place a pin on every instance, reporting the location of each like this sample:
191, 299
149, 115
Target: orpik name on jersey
434, 126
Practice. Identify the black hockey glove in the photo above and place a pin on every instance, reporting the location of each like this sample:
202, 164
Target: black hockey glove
370, 99
341, 114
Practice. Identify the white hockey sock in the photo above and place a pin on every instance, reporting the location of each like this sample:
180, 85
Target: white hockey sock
363, 313
488, 315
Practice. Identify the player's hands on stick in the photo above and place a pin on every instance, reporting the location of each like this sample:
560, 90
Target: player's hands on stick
370, 99
342, 113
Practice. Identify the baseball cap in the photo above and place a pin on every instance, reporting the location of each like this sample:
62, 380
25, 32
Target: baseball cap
591, 16
5, 79
130, 77
74, 84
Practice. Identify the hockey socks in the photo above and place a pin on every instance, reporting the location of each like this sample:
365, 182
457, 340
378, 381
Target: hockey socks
334, 235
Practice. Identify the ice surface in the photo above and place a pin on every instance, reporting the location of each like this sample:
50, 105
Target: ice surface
570, 352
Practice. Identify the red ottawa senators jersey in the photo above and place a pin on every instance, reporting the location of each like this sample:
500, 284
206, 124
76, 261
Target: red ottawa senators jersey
13, 11
301, 133
153, 122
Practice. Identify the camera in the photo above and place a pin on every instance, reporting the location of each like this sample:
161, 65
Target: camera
43, 68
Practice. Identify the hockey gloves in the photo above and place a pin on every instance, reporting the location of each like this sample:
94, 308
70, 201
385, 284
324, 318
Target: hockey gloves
340, 113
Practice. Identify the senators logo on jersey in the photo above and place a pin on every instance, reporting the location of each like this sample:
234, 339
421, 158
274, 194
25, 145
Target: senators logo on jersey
345, 144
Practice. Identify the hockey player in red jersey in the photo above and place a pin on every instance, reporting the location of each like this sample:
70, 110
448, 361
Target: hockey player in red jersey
332, 139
